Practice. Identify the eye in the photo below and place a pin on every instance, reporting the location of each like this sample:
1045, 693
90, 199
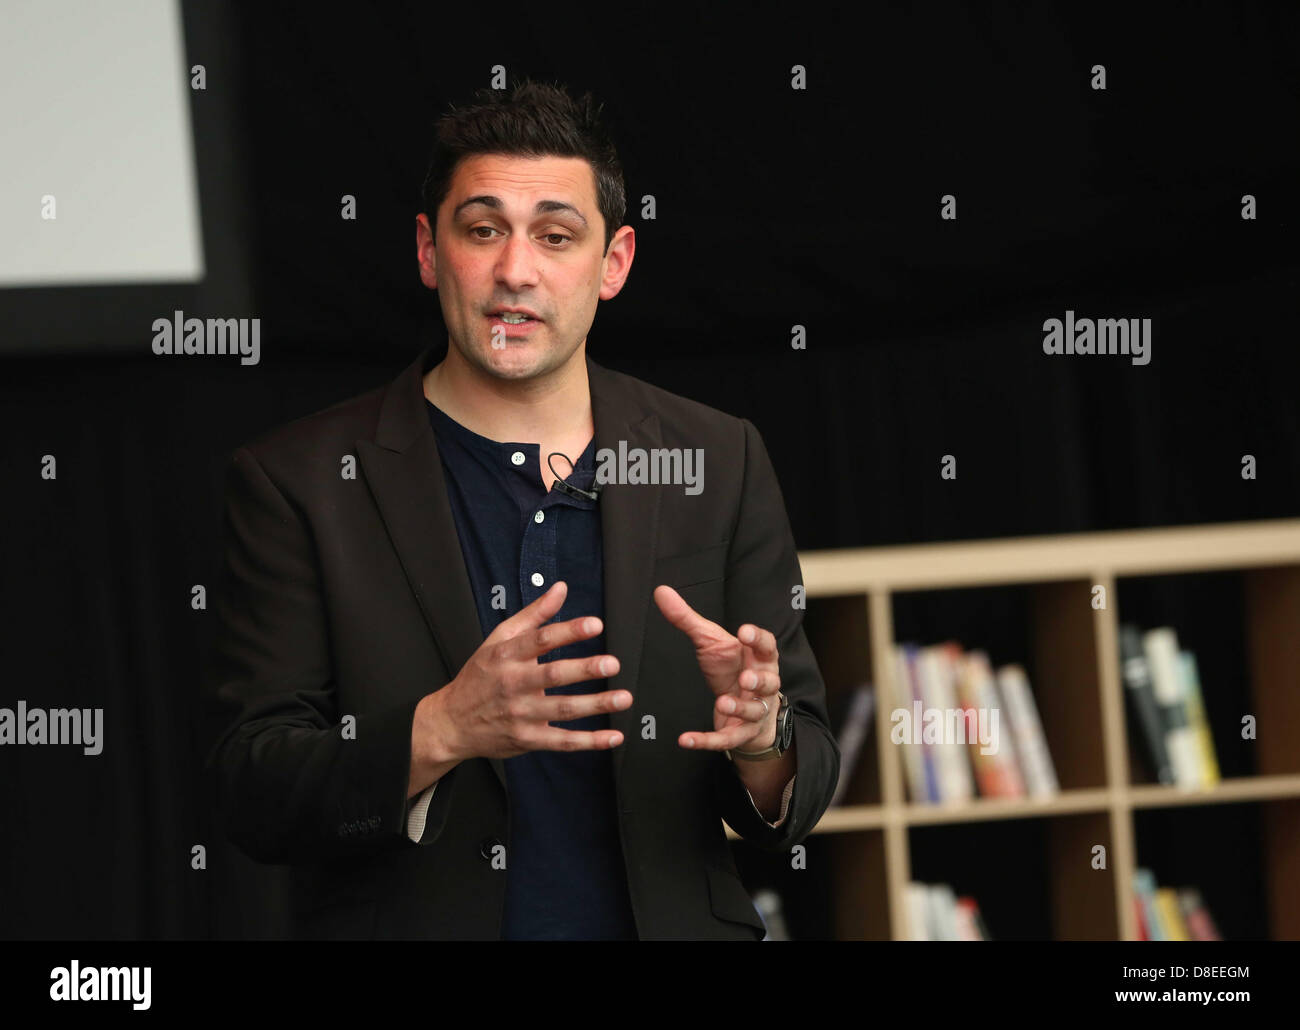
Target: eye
477, 228
557, 236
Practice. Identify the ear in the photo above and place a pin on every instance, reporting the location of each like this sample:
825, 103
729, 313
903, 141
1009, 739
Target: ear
425, 252
617, 262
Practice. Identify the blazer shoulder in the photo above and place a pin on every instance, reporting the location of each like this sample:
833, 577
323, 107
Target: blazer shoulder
323, 435
687, 416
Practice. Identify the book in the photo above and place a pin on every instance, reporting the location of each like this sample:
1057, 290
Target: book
1197, 721
935, 913
936, 673
1027, 732
917, 897
943, 913
1144, 886
1171, 915
916, 762
1199, 923
998, 773
970, 926
1161, 647
1144, 711
852, 736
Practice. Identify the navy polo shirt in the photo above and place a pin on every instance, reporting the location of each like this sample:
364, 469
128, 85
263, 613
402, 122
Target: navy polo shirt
565, 876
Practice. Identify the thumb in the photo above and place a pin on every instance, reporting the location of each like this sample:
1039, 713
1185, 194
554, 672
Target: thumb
683, 616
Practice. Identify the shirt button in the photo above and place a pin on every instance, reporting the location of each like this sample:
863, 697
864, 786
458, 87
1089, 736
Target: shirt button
537, 579
539, 517
517, 458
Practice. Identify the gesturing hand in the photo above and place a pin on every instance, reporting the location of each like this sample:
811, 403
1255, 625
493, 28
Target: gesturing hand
742, 671
496, 707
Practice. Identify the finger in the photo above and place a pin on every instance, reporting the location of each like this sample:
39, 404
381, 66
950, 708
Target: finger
685, 618
721, 740
552, 738
751, 711
533, 643
566, 671
532, 615
760, 640
567, 707
759, 682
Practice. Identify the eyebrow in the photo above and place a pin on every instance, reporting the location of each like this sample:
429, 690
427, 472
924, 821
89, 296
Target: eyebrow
544, 207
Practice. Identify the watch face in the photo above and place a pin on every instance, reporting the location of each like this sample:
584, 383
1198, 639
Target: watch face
785, 730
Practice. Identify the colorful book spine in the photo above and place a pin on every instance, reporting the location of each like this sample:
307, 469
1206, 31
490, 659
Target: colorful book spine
916, 762
1144, 886
970, 927
1197, 916
947, 730
1171, 915
998, 772
1208, 762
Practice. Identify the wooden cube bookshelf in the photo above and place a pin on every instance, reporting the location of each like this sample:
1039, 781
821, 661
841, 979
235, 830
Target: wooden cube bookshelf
1075, 648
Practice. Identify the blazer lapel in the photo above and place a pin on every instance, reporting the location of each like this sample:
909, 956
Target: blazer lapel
405, 475
629, 517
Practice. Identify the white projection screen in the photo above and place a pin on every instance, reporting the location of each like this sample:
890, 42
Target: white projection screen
96, 131
146, 175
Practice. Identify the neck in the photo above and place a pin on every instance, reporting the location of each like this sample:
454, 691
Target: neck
556, 404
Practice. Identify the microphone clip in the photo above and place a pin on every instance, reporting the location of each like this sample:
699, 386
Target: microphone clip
568, 488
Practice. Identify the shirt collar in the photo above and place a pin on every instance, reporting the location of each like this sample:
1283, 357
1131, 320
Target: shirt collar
582, 476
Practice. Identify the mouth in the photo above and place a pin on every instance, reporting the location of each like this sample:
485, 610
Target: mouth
514, 322
514, 316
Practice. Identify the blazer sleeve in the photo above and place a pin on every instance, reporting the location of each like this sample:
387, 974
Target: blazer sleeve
293, 782
762, 570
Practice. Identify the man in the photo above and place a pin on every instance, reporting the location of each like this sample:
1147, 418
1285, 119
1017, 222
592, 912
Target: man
456, 711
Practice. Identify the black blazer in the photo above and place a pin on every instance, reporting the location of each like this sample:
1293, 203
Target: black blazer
345, 594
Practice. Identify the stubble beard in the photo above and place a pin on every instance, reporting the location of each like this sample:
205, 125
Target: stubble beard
547, 358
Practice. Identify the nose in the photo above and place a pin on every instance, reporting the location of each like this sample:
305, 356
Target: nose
517, 266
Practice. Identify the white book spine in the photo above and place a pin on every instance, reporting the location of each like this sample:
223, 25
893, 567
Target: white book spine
918, 912
943, 904
1161, 646
951, 758
1031, 744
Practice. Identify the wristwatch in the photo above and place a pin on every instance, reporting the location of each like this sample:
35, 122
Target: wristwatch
784, 737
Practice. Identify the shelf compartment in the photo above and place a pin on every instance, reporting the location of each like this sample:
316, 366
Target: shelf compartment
1033, 879
1051, 629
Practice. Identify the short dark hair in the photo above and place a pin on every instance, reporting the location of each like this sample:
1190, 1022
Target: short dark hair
532, 120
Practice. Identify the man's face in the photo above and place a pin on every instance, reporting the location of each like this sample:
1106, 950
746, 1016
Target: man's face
521, 233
